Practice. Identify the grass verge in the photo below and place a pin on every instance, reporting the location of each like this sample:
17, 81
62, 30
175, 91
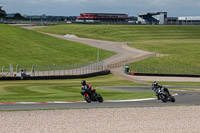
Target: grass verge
188, 86
180, 83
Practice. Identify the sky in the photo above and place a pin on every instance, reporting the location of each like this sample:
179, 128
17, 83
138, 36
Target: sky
174, 8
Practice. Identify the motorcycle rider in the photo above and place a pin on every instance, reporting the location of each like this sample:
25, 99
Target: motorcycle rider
86, 88
156, 87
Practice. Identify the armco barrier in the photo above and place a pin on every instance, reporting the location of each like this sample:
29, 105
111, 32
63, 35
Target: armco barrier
105, 72
167, 75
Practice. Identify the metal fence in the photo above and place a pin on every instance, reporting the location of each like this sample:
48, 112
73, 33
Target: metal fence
135, 59
81, 69
183, 23
51, 70
47, 23
56, 70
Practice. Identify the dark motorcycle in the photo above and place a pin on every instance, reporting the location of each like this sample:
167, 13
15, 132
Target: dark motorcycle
165, 96
95, 97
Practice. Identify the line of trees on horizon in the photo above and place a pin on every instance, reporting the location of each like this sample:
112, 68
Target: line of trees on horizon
17, 16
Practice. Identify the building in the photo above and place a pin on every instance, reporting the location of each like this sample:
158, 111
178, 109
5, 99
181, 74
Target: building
190, 20
102, 18
172, 20
152, 18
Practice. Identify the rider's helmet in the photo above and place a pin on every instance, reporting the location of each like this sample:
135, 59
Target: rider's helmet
155, 83
83, 82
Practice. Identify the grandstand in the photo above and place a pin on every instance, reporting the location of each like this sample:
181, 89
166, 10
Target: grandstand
152, 18
102, 17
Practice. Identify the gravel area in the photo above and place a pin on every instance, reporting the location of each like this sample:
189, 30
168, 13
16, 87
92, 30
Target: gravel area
180, 119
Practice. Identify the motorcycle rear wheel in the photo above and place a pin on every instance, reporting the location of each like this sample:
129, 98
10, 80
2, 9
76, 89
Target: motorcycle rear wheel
99, 98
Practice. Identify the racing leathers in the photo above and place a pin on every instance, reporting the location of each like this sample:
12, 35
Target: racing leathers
87, 89
156, 89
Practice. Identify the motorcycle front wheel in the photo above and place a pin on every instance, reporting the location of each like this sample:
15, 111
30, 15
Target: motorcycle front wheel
172, 99
87, 99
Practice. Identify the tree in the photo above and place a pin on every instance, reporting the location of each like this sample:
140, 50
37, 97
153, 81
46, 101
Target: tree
18, 16
2, 13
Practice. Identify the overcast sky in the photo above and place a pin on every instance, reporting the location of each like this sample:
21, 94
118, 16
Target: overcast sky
75, 7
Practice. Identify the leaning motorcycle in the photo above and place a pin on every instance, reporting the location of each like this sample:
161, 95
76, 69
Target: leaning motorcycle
164, 96
95, 97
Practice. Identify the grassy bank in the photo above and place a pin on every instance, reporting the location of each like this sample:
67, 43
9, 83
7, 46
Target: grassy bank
180, 43
180, 83
26, 47
188, 86
126, 33
65, 90
183, 56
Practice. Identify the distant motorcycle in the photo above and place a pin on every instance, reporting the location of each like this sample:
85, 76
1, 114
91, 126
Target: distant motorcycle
95, 97
164, 96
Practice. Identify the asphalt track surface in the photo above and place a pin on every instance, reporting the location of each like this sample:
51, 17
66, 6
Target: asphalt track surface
183, 98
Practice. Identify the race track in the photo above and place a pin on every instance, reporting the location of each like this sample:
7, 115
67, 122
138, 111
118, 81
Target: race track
123, 53
182, 98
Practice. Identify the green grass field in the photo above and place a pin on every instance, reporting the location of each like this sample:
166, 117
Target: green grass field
126, 33
187, 85
183, 55
26, 47
181, 43
65, 90
179, 83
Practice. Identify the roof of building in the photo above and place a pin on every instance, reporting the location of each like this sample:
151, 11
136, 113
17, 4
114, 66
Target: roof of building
151, 14
102, 14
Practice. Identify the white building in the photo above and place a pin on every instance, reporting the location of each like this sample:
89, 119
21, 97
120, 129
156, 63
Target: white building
189, 20
152, 18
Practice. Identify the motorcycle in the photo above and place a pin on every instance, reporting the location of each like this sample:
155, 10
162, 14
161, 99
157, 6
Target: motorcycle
165, 96
95, 97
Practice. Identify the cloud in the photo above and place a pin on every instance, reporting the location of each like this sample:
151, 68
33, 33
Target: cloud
66, 1
158, 2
